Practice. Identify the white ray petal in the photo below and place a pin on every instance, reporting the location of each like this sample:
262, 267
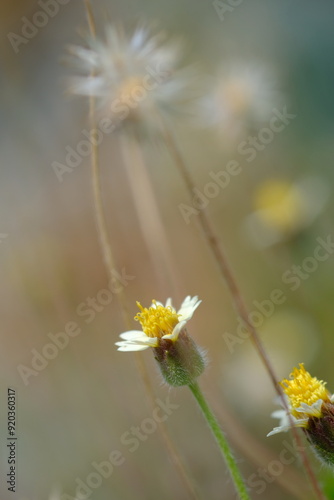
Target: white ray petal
149, 341
276, 430
174, 335
132, 347
132, 335
188, 307
313, 410
169, 303
300, 422
279, 414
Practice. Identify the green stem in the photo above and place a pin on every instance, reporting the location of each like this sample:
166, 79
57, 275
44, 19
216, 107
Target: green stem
222, 442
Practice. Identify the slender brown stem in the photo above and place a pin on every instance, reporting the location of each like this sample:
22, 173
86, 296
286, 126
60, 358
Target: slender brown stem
109, 262
90, 18
240, 306
101, 222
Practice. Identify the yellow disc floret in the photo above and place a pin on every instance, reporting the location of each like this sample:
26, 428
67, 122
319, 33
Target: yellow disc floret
302, 388
157, 320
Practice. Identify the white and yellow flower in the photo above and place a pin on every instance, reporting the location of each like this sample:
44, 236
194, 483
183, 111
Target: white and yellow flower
159, 322
307, 399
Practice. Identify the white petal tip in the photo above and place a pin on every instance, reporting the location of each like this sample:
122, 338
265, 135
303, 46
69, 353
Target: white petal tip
134, 347
132, 335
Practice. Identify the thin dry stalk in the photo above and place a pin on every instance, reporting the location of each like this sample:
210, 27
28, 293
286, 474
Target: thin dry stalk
110, 266
237, 298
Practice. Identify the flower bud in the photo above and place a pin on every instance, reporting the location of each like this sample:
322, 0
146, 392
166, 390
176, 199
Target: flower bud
180, 362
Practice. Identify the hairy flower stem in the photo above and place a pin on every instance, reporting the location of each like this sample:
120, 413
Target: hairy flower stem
110, 266
231, 463
291, 480
239, 303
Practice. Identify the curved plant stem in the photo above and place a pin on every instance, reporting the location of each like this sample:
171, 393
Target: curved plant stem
239, 483
237, 298
110, 266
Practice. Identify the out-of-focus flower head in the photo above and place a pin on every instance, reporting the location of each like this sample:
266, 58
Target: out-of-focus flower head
241, 97
133, 78
311, 408
283, 208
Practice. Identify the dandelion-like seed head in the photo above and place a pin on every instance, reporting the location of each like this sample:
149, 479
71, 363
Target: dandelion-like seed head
128, 87
303, 388
241, 96
235, 94
133, 77
157, 320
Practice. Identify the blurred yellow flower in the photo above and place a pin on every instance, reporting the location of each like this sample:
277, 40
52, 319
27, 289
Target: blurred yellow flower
279, 204
283, 208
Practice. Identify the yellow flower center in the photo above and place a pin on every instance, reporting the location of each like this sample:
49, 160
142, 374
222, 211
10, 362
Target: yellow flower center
303, 389
129, 88
157, 320
238, 96
280, 203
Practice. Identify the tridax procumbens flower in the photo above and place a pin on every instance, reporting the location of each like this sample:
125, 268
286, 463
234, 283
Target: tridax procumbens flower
311, 407
133, 77
163, 329
240, 96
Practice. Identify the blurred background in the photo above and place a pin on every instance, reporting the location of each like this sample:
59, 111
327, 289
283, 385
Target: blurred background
255, 58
